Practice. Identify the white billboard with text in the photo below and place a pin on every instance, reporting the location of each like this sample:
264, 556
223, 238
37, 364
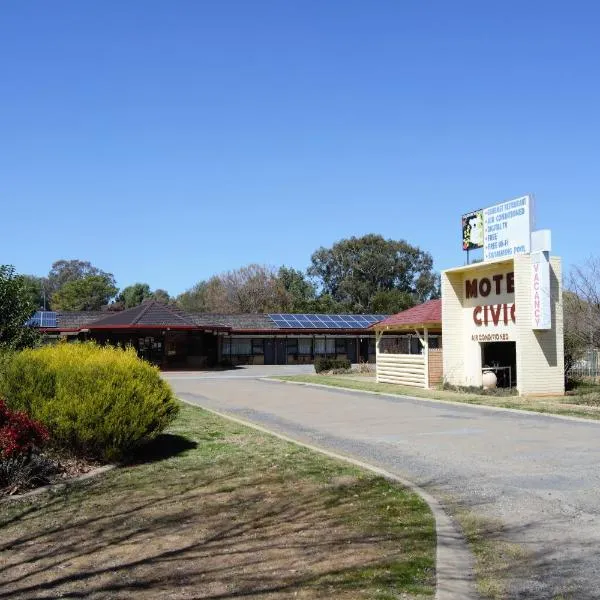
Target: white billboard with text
507, 229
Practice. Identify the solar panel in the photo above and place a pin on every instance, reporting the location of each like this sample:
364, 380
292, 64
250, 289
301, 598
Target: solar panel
43, 318
311, 321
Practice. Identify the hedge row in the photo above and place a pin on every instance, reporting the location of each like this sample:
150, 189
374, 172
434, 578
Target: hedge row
329, 364
96, 401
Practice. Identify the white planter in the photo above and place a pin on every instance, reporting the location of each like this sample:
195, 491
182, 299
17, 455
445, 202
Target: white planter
489, 380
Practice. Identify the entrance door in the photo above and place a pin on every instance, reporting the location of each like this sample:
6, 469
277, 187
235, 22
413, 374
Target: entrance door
269, 352
501, 357
280, 352
351, 349
364, 349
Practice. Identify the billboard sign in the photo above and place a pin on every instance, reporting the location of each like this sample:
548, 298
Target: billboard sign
507, 229
502, 230
472, 230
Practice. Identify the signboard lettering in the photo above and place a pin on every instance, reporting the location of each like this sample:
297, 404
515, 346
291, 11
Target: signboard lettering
502, 230
541, 308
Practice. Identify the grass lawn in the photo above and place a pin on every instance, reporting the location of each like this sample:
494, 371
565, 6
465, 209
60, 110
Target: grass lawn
229, 513
584, 402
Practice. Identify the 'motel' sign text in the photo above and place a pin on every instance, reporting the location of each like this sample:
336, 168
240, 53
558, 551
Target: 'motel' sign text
492, 314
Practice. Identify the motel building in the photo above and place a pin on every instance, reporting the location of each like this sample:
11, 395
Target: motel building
499, 322
172, 338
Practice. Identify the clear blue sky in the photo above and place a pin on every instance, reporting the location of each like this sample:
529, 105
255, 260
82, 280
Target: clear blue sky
167, 141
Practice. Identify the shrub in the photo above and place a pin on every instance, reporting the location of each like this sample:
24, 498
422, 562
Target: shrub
24, 472
329, 364
96, 401
19, 434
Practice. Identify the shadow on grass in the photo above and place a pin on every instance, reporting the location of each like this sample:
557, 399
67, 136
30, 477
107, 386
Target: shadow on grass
163, 446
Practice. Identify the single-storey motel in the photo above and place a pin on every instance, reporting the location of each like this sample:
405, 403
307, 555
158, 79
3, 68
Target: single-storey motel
498, 322
176, 339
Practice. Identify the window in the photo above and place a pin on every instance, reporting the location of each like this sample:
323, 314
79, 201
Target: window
324, 346
292, 346
304, 346
258, 347
241, 346
340, 346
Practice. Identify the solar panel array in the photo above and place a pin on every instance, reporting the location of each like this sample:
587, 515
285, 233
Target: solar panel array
43, 318
301, 321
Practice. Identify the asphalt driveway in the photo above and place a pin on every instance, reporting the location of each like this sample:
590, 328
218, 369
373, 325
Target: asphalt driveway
539, 475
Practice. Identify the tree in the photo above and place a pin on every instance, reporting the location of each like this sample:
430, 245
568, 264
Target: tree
390, 302
16, 307
301, 292
250, 289
64, 271
161, 296
90, 293
133, 295
194, 299
581, 312
354, 270
35, 289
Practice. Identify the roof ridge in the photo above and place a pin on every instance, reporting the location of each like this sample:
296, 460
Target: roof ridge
177, 312
143, 312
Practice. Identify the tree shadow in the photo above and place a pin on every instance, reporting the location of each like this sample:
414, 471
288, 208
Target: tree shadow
162, 447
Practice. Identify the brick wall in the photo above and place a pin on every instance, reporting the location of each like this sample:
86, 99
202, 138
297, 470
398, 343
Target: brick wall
436, 366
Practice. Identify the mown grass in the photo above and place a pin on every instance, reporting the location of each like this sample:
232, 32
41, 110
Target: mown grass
217, 510
584, 402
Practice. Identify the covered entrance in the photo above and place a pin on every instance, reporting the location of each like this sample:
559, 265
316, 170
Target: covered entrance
501, 359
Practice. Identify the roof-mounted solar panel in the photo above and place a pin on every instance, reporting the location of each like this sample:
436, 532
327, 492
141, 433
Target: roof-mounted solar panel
313, 321
43, 318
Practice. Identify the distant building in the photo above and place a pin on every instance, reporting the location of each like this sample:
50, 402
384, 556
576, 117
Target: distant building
173, 338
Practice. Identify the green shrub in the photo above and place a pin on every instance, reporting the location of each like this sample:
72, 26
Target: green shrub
96, 401
329, 364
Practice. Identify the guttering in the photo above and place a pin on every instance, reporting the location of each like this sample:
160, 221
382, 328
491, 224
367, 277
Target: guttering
333, 332
93, 327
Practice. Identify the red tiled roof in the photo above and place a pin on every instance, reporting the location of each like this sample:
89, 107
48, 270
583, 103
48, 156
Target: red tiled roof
427, 313
151, 313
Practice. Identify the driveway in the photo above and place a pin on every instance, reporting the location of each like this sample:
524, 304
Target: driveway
539, 475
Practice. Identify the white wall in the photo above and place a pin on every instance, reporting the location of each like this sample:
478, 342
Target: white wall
468, 322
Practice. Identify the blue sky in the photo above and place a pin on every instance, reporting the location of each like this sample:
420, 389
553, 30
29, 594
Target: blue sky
167, 141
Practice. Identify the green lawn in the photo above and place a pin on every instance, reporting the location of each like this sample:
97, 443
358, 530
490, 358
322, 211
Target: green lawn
230, 512
584, 402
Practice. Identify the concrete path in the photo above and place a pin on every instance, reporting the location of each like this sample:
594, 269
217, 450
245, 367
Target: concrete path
539, 475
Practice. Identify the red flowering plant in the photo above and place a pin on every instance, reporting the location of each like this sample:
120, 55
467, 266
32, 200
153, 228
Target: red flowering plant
20, 435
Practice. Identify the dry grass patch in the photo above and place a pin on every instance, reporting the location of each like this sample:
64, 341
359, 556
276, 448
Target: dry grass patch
230, 513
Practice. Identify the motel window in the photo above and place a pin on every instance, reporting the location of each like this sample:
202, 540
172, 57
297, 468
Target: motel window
258, 347
292, 346
241, 346
340, 346
324, 346
305, 346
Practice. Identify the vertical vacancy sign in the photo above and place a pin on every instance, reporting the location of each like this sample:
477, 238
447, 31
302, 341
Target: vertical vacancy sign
541, 309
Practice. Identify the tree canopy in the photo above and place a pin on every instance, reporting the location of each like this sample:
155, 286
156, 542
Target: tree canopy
89, 293
353, 271
134, 294
16, 307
